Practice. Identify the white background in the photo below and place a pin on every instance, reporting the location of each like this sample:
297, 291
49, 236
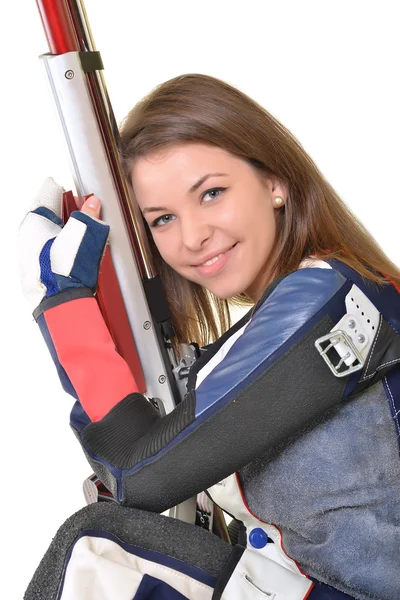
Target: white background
327, 70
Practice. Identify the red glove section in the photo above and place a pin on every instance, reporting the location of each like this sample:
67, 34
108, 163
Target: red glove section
85, 349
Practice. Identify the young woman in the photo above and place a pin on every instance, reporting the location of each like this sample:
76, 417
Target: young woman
299, 399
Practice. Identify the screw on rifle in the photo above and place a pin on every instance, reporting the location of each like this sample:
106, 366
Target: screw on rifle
146, 325
361, 338
162, 379
352, 323
69, 74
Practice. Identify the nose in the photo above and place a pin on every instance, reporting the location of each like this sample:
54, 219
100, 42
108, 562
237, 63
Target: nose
195, 232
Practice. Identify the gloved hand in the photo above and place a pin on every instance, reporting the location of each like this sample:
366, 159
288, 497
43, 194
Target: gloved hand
54, 257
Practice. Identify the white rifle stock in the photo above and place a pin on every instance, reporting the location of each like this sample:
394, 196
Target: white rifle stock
74, 70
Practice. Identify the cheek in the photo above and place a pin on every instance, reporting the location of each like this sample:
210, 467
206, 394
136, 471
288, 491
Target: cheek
167, 247
268, 230
233, 218
262, 225
250, 210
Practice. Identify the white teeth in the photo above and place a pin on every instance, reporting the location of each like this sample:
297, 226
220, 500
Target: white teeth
212, 260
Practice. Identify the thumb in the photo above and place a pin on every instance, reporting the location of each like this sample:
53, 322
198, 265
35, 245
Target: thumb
92, 207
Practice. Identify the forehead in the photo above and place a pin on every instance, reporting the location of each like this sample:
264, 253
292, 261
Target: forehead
179, 165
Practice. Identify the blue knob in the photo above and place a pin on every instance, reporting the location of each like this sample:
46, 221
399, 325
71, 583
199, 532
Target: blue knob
258, 538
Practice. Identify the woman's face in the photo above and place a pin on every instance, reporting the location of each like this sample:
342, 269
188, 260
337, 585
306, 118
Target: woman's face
210, 214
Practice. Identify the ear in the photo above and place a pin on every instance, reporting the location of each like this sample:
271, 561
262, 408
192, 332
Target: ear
276, 189
279, 188
275, 186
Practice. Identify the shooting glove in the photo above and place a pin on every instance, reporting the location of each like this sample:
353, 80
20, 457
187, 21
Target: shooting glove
59, 267
55, 257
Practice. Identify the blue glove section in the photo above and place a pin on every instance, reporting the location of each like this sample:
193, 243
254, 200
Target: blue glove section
43, 211
91, 250
46, 274
85, 250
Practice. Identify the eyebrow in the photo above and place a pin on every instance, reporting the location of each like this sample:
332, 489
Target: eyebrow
191, 190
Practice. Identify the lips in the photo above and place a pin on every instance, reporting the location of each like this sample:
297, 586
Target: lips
212, 255
216, 266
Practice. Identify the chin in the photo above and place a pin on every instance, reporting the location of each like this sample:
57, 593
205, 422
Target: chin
225, 292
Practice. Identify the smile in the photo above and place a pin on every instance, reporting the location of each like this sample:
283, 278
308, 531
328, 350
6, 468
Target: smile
212, 261
214, 265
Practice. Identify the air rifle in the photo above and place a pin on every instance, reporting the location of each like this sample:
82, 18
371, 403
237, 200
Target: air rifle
129, 291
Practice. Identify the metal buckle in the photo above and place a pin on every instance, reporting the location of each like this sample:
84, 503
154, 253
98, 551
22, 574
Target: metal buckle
334, 337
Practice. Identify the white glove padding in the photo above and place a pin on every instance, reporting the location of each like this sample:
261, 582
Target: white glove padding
54, 257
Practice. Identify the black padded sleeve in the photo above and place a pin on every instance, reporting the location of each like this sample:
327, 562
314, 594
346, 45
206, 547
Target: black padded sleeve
271, 386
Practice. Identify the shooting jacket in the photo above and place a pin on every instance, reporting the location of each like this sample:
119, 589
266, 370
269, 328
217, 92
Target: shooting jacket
301, 398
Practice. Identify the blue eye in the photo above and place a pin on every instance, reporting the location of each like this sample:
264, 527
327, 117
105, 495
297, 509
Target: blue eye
214, 193
164, 220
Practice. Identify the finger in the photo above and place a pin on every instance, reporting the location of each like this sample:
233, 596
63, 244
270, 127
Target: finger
92, 207
50, 195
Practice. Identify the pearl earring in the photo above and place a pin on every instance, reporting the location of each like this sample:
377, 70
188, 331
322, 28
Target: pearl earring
278, 201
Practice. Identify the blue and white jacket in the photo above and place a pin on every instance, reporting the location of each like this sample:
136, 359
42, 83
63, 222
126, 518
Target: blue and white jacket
301, 399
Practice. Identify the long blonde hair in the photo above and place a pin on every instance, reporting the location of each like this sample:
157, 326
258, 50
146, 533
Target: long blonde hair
315, 221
